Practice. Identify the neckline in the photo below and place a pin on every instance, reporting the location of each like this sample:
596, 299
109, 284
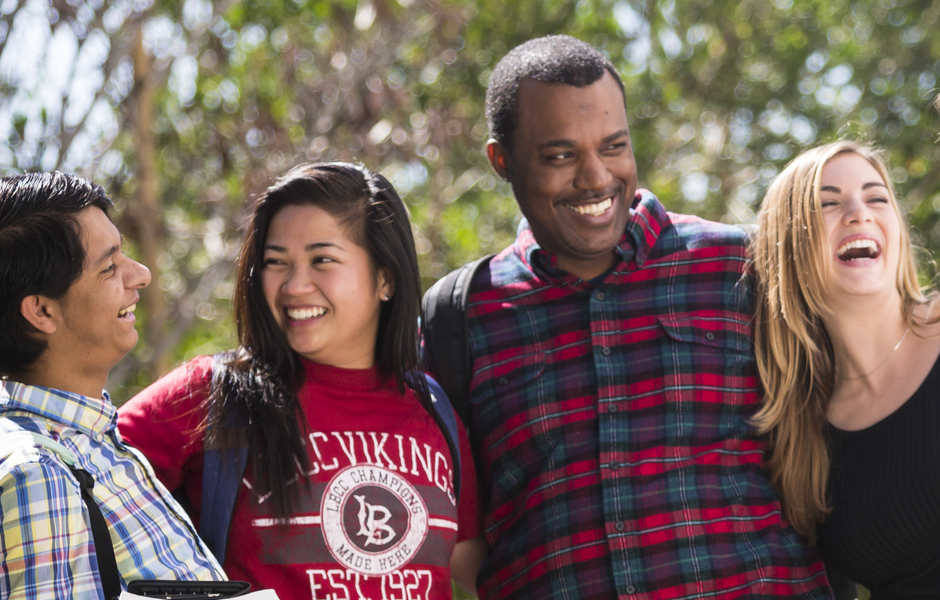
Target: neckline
348, 379
933, 373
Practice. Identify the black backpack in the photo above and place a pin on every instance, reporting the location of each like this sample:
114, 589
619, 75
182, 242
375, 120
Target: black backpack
445, 334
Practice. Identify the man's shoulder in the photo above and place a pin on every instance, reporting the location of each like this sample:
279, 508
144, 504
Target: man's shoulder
28, 455
697, 232
501, 273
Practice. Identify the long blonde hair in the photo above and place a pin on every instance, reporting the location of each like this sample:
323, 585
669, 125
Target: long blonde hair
790, 255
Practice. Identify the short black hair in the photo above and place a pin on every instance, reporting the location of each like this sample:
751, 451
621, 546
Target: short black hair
41, 252
551, 59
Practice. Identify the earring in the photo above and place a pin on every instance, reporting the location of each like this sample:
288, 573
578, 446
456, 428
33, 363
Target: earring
387, 298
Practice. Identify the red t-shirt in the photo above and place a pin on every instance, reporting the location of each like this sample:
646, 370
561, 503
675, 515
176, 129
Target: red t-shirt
381, 521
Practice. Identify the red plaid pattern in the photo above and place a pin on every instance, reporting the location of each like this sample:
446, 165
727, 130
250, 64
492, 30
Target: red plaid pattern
611, 424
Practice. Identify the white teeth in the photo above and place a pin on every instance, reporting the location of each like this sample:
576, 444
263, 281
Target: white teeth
301, 314
595, 210
129, 309
871, 245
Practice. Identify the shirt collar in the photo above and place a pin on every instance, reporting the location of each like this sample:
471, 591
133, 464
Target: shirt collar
91, 416
647, 220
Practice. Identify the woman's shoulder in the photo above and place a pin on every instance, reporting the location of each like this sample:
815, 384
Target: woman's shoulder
182, 389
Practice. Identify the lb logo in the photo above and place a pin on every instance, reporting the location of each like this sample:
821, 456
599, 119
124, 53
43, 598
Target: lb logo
373, 521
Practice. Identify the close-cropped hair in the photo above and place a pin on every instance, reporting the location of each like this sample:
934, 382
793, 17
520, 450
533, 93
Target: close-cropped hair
41, 253
791, 261
556, 59
257, 390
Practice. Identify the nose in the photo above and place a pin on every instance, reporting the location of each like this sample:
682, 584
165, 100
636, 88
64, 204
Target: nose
856, 212
136, 275
593, 173
297, 282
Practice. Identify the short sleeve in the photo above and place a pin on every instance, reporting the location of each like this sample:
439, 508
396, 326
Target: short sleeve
470, 503
165, 420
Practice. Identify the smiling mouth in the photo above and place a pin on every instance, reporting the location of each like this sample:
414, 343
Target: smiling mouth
594, 210
302, 314
126, 311
858, 250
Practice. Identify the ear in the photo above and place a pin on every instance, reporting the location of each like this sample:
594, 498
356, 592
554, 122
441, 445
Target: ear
39, 311
498, 156
385, 285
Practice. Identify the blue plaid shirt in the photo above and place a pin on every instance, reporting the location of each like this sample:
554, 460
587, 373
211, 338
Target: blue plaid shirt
611, 421
46, 544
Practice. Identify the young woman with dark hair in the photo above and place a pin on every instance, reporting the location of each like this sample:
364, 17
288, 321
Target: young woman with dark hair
348, 490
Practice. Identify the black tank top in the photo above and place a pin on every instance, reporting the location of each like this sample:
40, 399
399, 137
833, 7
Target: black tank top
884, 488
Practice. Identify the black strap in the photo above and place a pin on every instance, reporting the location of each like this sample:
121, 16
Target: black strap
107, 565
446, 339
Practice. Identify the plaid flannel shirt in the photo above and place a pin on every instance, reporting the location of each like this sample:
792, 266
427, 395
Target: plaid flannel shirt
611, 424
46, 545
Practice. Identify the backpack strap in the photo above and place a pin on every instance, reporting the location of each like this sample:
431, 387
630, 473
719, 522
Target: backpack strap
11, 442
222, 473
104, 547
443, 413
445, 334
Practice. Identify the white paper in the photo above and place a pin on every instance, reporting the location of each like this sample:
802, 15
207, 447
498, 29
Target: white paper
259, 595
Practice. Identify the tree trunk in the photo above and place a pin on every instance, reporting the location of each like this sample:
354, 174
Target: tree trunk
147, 214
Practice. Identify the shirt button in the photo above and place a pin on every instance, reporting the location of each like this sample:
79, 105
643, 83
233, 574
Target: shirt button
612, 408
619, 526
605, 350
614, 466
709, 336
600, 296
503, 380
631, 589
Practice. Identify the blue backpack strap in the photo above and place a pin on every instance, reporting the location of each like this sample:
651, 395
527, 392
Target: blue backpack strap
447, 420
222, 473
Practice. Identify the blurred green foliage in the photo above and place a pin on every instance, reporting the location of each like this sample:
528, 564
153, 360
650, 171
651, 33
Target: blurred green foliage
720, 96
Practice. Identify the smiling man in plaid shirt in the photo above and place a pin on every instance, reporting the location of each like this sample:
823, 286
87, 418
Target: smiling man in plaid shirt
613, 370
67, 297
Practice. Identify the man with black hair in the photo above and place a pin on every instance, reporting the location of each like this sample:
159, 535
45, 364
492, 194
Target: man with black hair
67, 299
613, 368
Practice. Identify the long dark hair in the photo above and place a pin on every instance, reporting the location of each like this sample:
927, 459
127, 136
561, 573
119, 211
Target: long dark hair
254, 398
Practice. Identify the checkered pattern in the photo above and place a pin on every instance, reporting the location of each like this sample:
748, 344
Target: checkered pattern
611, 424
46, 545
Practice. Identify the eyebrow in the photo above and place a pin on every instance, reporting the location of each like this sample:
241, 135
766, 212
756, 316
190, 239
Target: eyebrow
566, 143
107, 254
307, 248
836, 190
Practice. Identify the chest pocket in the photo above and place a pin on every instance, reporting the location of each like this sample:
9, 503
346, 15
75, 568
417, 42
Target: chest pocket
709, 376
